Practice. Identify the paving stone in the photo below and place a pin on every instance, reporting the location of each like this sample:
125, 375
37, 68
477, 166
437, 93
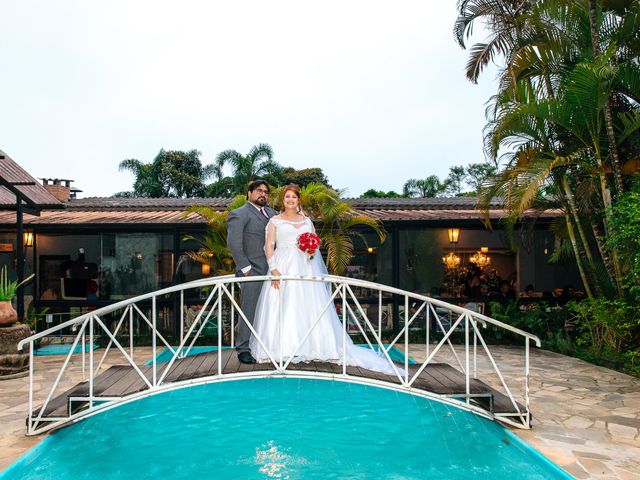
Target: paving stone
577, 471
595, 467
617, 430
564, 439
594, 455
620, 420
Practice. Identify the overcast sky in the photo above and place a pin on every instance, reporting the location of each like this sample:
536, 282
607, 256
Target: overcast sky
373, 92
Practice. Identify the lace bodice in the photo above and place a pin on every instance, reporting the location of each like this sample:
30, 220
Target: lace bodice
281, 233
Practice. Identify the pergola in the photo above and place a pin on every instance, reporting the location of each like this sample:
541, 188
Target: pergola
20, 191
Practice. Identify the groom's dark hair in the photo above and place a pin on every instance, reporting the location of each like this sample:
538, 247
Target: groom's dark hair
256, 183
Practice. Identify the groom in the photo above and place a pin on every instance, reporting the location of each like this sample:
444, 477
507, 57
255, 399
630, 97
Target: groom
245, 238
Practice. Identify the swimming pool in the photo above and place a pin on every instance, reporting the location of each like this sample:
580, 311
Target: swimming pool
283, 428
60, 349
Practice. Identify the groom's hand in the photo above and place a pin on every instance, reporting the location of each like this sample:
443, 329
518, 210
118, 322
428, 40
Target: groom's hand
275, 283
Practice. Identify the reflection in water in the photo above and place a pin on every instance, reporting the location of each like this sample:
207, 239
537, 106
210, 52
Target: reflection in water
275, 463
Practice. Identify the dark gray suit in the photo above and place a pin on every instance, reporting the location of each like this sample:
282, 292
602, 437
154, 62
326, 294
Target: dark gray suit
245, 238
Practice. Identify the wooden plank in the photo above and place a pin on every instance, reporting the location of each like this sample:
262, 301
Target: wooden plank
438, 382
179, 367
122, 380
263, 366
331, 367
138, 383
120, 387
230, 362
193, 367
100, 384
209, 366
58, 406
297, 366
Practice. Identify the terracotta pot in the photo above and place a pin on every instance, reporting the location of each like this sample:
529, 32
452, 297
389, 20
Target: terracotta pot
8, 315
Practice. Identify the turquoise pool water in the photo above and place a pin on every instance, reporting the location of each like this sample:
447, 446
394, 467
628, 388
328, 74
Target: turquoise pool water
60, 349
284, 429
166, 354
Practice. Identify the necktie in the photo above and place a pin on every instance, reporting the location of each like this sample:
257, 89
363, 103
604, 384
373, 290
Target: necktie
264, 214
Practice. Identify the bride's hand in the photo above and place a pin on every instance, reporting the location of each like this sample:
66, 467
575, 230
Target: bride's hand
275, 283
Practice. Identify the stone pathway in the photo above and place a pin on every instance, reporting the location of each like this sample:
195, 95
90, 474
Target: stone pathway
586, 418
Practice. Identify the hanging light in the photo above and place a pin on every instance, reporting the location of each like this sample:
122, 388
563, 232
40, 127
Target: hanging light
206, 269
451, 261
454, 235
480, 259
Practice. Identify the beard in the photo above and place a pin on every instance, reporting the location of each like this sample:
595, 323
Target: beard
260, 201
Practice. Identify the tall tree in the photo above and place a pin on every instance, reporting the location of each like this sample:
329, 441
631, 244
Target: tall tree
455, 180
565, 64
424, 188
303, 177
373, 193
258, 163
478, 173
172, 173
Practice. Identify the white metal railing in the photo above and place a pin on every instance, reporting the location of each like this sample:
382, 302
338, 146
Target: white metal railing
221, 299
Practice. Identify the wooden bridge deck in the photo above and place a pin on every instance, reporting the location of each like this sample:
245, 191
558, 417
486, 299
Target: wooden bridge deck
123, 380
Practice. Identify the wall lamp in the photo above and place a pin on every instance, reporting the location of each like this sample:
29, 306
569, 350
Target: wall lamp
28, 239
454, 235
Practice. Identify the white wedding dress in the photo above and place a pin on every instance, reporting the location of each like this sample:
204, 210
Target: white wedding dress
302, 302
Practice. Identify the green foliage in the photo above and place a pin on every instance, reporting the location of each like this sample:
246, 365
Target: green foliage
258, 163
373, 193
32, 316
8, 289
303, 177
423, 188
544, 321
625, 237
606, 326
213, 250
172, 173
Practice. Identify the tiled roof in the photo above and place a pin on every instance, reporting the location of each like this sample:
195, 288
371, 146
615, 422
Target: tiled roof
70, 217
124, 203
440, 203
407, 215
12, 172
173, 217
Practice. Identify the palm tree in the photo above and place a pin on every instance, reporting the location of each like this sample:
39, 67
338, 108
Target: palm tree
565, 67
506, 21
424, 188
172, 173
256, 164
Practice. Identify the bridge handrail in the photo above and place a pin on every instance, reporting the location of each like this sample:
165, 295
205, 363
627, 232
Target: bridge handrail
467, 320
321, 278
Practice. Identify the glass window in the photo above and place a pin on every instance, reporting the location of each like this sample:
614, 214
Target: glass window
135, 263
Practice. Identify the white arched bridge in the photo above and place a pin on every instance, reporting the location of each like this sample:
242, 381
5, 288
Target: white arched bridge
207, 311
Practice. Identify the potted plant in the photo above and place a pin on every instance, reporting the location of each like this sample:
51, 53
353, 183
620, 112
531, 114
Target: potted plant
8, 315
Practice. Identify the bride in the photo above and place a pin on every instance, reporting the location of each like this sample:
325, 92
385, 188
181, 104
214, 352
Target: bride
302, 301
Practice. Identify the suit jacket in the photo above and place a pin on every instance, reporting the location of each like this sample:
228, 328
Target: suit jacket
246, 236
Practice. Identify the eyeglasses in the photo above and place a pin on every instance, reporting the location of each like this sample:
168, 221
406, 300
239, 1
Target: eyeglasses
262, 191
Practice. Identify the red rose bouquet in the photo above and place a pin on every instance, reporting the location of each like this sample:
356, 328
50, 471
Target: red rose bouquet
309, 243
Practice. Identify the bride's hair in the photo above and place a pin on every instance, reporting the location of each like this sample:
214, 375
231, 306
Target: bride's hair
292, 187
